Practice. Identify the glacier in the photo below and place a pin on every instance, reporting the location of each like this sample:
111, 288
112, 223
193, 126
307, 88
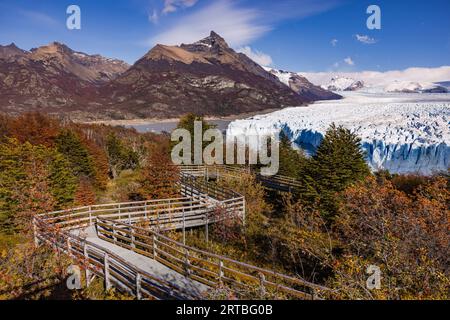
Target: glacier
402, 133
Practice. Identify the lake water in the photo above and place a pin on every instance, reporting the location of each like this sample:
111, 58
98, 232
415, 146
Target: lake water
170, 126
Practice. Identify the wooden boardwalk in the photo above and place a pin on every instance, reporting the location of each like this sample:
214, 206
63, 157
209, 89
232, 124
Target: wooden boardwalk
123, 244
151, 266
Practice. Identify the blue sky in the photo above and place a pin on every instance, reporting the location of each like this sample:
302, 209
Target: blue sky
297, 35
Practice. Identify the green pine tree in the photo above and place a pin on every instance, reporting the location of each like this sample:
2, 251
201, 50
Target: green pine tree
63, 182
70, 145
338, 163
291, 161
120, 157
12, 179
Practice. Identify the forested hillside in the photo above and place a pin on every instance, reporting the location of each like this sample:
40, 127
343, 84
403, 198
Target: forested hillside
341, 220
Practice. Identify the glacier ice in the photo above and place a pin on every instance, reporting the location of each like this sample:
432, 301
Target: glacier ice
403, 133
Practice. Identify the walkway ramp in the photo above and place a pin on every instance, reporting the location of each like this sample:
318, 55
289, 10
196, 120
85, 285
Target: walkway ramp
146, 264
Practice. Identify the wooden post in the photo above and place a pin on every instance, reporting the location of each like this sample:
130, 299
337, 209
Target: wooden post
157, 219
220, 272
145, 211
138, 286
155, 254
184, 227
314, 295
262, 288
243, 212
133, 239
69, 247
86, 262
35, 232
206, 226
186, 263
114, 232
106, 272
90, 216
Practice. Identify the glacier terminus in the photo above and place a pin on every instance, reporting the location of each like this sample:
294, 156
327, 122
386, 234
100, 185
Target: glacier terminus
401, 133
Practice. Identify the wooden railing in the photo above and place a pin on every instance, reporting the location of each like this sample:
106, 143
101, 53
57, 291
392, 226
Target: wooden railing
277, 182
205, 267
155, 211
116, 271
116, 223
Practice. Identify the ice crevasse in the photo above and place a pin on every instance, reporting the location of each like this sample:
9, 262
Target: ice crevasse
402, 135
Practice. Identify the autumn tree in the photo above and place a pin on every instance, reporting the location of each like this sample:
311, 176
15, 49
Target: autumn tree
407, 237
159, 177
85, 194
25, 184
35, 128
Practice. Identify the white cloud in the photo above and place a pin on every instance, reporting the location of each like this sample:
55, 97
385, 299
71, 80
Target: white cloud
384, 78
154, 17
257, 56
238, 26
349, 61
334, 42
173, 5
365, 39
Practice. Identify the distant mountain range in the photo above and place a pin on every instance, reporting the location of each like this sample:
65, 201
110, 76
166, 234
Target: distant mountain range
302, 86
207, 77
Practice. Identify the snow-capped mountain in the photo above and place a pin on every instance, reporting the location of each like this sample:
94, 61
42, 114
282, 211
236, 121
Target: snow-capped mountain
415, 87
401, 133
344, 84
302, 86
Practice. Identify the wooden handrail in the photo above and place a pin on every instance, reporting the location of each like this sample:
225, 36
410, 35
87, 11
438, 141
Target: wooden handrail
115, 223
209, 268
90, 256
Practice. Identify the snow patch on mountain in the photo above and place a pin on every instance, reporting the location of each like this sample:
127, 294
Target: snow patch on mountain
344, 84
415, 87
400, 133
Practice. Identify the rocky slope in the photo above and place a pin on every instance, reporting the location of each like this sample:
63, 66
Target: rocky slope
207, 77
52, 78
302, 86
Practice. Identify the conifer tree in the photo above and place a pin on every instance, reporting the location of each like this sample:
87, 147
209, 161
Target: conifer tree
120, 157
12, 180
70, 145
338, 163
291, 161
62, 180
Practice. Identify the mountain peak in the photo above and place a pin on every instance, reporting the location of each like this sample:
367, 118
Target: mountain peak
10, 50
12, 45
